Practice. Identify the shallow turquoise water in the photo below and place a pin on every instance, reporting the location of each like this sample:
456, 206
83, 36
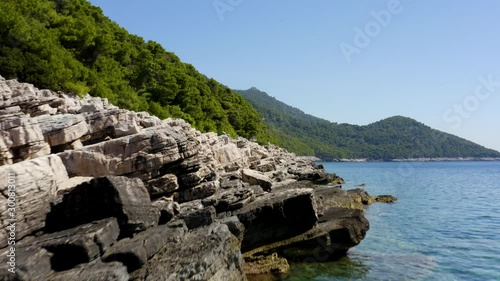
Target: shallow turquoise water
445, 225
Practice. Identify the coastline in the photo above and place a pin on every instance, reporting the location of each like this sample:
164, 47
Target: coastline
140, 198
441, 159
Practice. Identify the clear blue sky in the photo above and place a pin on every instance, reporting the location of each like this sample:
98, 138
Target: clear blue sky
424, 63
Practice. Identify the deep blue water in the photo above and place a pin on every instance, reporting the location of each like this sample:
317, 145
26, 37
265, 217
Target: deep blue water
444, 226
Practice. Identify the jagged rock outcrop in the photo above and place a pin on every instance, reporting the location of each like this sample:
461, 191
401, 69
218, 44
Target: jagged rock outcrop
93, 271
135, 252
338, 230
103, 193
208, 253
35, 184
21, 139
277, 216
62, 128
40, 257
123, 198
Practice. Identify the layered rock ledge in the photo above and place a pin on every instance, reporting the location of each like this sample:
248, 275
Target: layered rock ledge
94, 192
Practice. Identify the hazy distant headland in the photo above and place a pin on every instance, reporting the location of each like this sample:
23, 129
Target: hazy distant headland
397, 138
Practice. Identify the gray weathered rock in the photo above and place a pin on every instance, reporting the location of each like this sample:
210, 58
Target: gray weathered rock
199, 174
207, 253
198, 218
94, 271
256, 178
31, 264
124, 198
38, 257
136, 251
267, 166
77, 245
21, 138
232, 181
26, 96
36, 184
162, 185
126, 125
234, 199
339, 198
338, 230
63, 128
277, 216
235, 226
228, 153
168, 209
235, 194
200, 191
142, 154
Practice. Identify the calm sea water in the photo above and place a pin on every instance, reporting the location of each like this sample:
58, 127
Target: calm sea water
445, 225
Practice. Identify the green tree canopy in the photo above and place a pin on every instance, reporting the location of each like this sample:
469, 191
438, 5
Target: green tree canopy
69, 45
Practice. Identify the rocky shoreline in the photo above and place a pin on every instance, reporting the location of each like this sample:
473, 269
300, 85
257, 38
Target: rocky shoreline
94, 192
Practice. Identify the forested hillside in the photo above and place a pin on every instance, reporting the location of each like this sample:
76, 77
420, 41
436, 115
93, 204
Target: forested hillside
392, 138
70, 45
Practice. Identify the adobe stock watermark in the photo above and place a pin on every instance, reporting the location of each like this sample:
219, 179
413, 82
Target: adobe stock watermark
11, 220
363, 36
224, 6
483, 91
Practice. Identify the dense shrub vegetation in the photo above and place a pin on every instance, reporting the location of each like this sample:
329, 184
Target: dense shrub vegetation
70, 45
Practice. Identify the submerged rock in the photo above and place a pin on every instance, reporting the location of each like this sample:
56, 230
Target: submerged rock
263, 264
386, 198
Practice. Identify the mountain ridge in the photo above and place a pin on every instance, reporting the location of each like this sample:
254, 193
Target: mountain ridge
392, 138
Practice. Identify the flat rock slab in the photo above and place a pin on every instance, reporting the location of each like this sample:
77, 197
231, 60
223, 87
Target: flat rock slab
256, 178
121, 197
277, 216
143, 153
62, 128
234, 199
337, 231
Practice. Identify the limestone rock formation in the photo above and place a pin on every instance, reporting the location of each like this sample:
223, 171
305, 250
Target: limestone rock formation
96, 192
208, 253
121, 197
35, 184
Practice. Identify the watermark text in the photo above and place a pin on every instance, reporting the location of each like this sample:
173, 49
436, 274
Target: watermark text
11, 220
